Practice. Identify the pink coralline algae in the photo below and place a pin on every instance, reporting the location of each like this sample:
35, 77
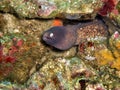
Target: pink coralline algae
116, 35
109, 6
45, 8
47, 11
6, 58
9, 57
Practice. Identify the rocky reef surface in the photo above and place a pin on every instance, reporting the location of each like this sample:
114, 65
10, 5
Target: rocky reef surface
27, 63
78, 9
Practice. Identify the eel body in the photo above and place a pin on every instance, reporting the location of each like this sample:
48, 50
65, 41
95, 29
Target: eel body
64, 37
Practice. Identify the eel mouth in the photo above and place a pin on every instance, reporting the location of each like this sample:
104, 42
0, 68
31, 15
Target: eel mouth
62, 37
45, 36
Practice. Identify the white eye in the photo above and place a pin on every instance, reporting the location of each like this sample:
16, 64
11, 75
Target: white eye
51, 35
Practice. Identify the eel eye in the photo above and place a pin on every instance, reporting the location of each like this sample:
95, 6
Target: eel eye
51, 35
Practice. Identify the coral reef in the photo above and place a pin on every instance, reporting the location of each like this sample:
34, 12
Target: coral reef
21, 49
27, 63
50, 9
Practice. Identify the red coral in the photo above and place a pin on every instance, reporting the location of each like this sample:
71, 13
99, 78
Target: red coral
109, 6
12, 50
1, 53
9, 57
5, 58
16, 45
1, 50
19, 43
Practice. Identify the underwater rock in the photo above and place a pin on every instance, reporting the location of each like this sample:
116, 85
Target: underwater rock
115, 15
97, 86
50, 9
108, 7
39, 67
59, 73
2, 22
105, 52
112, 10
73, 73
66, 54
21, 40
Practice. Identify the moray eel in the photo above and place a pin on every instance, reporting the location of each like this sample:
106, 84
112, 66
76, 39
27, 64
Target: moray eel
64, 37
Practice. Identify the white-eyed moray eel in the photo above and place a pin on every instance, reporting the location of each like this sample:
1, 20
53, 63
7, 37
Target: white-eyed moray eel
64, 37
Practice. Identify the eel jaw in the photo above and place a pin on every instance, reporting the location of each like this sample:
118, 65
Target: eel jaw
64, 37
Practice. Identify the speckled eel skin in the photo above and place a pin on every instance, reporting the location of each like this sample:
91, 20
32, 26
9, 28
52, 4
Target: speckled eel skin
64, 37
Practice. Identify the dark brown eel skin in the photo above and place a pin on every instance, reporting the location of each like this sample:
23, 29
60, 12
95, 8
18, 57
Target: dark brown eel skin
64, 37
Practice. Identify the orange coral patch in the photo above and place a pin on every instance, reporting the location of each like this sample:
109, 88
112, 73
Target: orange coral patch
118, 44
104, 57
57, 22
116, 64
